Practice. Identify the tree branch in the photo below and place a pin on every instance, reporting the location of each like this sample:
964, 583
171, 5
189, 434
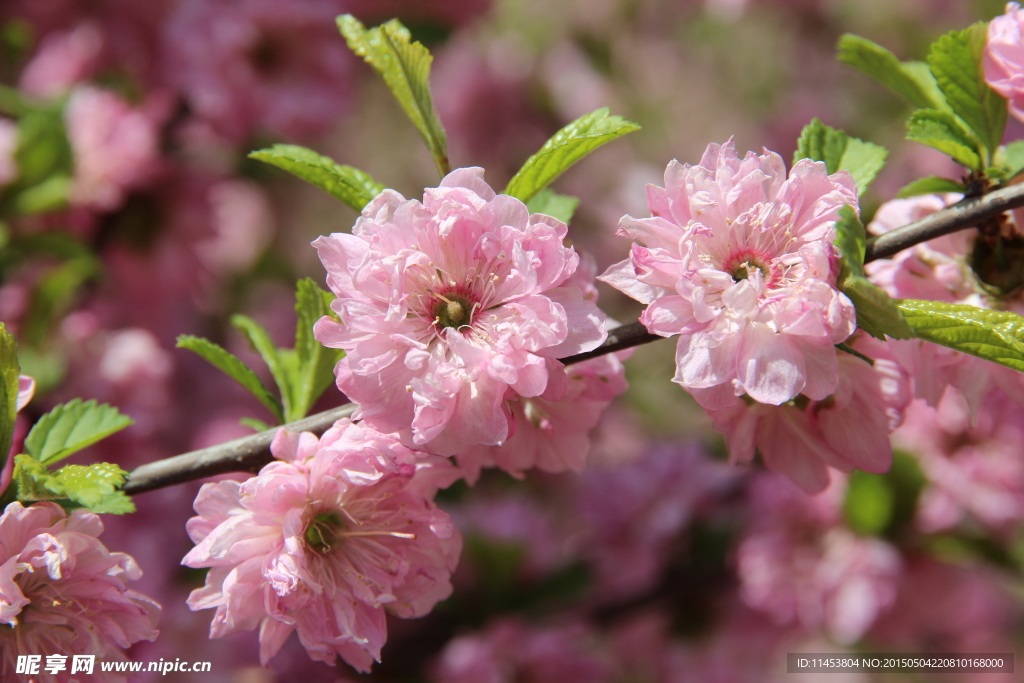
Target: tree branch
247, 454
967, 213
251, 453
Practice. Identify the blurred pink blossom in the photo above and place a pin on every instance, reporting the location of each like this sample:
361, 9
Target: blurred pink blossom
1003, 60
8, 147
447, 309
974, 470
255, 65
322, 541
799, 564
116, 147
64, 59
849, 429
738, 261
63, 592
512, 650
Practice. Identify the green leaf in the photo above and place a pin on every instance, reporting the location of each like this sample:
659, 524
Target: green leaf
1011, 157
254, 424
997, 336
72, 426
94, 487
841, 152
234, 368
49, 195
930, 185
868, 505
280, 367
956, 62
550, 203
405, 67
875, 61
944, 132
877, 313
565, 148
350, 185
316, 362
43, 147
9, 372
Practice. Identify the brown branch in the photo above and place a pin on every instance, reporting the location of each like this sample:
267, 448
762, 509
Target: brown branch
249, 454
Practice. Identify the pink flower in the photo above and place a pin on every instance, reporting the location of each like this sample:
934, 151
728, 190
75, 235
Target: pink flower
260, 64
738, 260
8, 147
63, 592
448, 308
553, 435
511, 650
26, 390
116, 147
1003, 61
799, 564
63, 59
849, 429
322, 541
937, 270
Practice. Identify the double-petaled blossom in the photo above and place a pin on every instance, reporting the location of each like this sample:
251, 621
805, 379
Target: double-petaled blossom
323, 541
848, 429
1003, 60
449, 307
63, 593
737, 259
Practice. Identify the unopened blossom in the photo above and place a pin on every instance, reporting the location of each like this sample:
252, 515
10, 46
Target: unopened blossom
1003, 59
8, 147
938, 270
62, 592
115, 146
848, 429
737, 259
449, 307
799, 564
323, 541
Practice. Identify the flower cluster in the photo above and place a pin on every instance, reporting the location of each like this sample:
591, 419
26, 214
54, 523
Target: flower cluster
323, 541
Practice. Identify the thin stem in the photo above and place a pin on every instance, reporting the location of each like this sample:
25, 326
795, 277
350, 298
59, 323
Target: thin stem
249, 454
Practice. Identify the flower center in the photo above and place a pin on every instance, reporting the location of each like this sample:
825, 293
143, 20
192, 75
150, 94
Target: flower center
323, 531
452, 310
743, 264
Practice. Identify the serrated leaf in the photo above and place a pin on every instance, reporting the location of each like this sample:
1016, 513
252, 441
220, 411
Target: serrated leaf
851, 235
875, 61
550, 203
841, 152
997, 336
944, 132
565, 148
72, 426
877, 312
10, 370
929, 185
350, 185
316, 361
280, 367
1011, 157
956, 62
94, 487
405, 67
233, 367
